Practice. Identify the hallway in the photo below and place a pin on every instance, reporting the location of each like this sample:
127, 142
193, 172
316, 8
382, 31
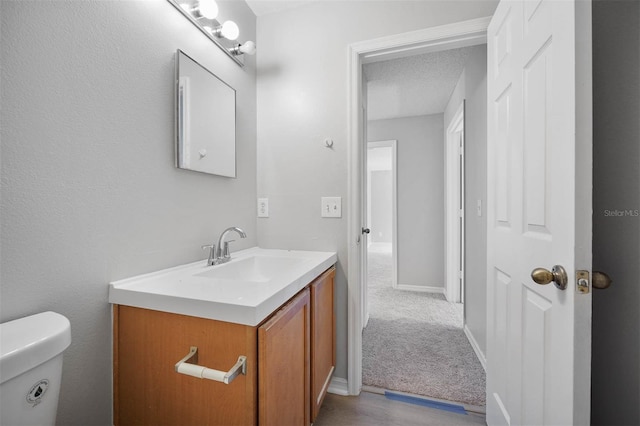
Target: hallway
414, 341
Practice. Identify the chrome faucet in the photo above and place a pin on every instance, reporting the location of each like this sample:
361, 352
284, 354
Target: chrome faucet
221, 253
224, 254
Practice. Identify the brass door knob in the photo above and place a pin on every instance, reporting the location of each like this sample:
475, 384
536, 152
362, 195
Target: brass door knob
600, 280
557, 274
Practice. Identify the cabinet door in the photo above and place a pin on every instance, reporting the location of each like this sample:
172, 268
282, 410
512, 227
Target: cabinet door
283, 363
323, 337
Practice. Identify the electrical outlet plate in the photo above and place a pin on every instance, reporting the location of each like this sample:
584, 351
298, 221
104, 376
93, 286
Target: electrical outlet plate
263, 207
331, 206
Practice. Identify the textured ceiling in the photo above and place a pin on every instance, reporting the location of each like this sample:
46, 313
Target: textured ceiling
263, 7
416, 85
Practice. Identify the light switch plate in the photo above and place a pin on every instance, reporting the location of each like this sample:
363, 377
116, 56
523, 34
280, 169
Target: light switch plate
263, 207
331, 206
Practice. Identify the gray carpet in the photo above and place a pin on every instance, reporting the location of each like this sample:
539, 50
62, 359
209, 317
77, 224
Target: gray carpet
414, 343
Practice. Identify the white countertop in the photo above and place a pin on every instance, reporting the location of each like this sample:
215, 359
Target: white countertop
187, 289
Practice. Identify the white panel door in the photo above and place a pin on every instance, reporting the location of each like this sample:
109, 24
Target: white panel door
539, 211
364, 217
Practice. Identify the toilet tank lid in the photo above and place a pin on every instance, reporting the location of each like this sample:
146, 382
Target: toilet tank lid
28, 342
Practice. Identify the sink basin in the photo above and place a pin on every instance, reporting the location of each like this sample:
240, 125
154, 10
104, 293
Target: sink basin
255, 269
245, 290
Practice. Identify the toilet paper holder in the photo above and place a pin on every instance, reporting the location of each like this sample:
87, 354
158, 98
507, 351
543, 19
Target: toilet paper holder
188, 366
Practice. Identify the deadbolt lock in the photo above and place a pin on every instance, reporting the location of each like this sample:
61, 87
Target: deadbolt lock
599, 280
582, 282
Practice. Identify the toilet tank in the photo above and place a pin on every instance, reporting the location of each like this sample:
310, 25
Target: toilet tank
31, 368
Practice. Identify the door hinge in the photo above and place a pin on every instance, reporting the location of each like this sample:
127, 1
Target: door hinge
583, 285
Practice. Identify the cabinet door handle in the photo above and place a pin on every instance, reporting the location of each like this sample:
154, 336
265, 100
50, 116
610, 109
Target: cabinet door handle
188, 366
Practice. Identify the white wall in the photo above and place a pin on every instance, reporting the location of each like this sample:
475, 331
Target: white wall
302, 98
616, 239
90, 193
420, 155
472, 86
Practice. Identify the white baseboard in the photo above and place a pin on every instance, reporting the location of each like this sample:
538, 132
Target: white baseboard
422, 288
339, 386
476, 348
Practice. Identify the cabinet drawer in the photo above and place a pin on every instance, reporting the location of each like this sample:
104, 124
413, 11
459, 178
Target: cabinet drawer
147, 389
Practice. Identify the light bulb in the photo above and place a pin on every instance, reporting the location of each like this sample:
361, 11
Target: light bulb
248, 47
230, 30
208, 8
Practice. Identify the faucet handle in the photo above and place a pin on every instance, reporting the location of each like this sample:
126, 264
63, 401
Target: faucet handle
212, 253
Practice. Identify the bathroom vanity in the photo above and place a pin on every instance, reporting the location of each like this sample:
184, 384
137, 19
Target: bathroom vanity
277, 312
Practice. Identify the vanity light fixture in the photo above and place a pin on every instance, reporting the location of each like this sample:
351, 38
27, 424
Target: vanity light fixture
228, 30
208, 8
247, 47
202, 9
203, 14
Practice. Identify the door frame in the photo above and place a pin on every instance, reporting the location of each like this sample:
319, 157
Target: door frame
444, 37
454, 207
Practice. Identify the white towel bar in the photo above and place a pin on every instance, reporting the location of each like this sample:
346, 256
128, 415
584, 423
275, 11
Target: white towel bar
187, 366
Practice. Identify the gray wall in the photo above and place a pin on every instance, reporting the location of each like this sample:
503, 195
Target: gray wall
472, 86
420, 154
302, 99
90, 193
616, 239
381, 200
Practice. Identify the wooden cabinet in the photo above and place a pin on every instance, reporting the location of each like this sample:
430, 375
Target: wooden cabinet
323, 337
290, 359
148, 391
283, 362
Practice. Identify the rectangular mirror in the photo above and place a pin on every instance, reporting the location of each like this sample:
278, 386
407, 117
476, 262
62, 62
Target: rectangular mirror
206, 120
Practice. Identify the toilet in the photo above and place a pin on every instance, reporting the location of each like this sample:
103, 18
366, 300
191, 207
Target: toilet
31, 368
